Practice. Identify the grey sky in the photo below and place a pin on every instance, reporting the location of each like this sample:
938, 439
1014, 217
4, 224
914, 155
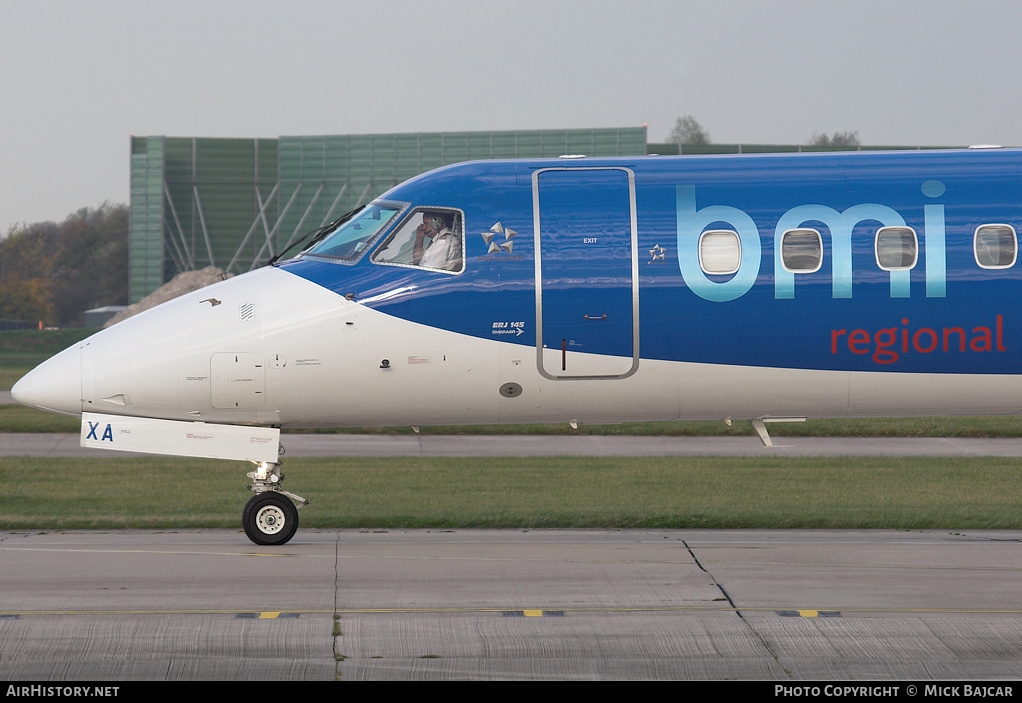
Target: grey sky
80, 77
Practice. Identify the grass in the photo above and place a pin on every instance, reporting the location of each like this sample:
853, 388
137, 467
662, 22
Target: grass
22, 350
980, 427
547, 492
35, 346
11, 372
16, 418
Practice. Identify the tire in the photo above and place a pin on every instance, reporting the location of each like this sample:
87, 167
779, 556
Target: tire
270, 518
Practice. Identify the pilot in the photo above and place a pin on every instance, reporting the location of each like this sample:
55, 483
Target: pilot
436, 246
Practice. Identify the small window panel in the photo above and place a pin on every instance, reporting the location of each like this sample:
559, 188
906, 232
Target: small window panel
897, 248
802, 250
720, 251
995, 246
441, 248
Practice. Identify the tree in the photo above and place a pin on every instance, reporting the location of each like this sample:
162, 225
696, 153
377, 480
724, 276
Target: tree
28, 250
688, 131
92, 263
26, 260
54, 272
839, 140
29, 300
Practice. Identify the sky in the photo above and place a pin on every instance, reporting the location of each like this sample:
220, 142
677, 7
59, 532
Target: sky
79, 78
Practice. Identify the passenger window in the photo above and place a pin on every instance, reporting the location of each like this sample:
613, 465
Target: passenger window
720, 251
802, 250
430, 238
995, 246
897, 248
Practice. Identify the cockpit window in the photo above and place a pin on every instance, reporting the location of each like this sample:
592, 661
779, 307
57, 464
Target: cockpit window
354, 236
430, 238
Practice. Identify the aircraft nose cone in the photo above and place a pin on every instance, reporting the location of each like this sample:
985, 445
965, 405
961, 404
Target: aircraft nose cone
22, 391
55, 385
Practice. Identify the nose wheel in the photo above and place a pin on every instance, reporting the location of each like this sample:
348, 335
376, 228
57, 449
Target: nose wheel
270, 517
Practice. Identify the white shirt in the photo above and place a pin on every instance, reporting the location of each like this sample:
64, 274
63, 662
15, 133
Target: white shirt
443, 252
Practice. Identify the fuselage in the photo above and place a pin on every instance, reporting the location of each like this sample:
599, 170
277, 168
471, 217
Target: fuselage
833, 285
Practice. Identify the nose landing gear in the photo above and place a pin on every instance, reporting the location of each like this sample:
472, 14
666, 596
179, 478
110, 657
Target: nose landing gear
269, 517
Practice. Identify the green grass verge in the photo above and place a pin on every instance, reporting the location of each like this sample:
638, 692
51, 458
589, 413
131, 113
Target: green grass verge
1005, 426
550, 492
35, 346
12, 371
16, 418
23, 350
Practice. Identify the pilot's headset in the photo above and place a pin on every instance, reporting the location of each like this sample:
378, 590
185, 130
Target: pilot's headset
436, 223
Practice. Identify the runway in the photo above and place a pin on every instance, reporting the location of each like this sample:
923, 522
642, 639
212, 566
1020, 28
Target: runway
351, 605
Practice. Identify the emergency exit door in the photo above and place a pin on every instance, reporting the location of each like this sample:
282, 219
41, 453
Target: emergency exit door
587, 295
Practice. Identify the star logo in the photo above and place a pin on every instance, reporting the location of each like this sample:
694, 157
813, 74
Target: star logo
495, 247
658, 253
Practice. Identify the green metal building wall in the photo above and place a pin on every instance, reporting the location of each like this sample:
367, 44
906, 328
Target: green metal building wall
234, 203
145, 232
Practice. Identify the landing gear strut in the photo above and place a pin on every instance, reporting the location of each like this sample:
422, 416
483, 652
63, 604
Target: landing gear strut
270, 517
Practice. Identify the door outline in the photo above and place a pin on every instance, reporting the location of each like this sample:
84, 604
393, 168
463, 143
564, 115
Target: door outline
634, 246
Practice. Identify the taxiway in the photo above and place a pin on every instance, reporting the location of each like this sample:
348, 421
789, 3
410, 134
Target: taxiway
779, 605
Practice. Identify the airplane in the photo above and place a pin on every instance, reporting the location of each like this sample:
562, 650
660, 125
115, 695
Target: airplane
583, 290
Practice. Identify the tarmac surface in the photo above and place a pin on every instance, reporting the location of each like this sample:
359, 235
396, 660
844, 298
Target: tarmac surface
756, 605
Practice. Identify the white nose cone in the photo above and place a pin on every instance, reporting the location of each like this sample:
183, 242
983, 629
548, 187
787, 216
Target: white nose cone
54, 385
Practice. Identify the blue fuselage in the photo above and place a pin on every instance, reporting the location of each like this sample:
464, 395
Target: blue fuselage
606, 257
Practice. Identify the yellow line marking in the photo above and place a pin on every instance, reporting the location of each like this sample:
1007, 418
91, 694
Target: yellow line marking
533, 613
269, 615
808, 613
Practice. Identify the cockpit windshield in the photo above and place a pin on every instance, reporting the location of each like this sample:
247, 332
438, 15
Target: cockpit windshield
354, 236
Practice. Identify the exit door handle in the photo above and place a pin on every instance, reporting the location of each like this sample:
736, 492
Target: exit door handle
593, 317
